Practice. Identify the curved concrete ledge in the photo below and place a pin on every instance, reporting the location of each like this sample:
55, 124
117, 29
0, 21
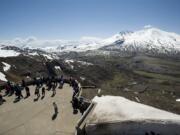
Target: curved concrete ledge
148, 127
114, 115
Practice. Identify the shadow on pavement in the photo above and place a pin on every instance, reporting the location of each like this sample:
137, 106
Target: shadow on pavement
54, 116
55, 111
16, 100
36, 99
42, 97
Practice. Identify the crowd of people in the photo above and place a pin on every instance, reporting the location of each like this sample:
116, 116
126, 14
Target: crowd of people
77, 103
42, 85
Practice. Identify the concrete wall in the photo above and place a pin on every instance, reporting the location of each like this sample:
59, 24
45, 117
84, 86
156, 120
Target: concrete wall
134, 128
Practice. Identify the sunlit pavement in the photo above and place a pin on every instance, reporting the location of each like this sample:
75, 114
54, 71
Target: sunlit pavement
29, 117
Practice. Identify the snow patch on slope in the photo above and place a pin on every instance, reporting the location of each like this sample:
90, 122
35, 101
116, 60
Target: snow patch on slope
58, 68
8, 53
178, 100
2, 77
82, 78
33, 54
6, 66
85, 63
115, 108
69, 61
47, 56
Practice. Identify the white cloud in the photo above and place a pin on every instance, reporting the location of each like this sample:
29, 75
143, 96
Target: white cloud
86, 38
19, 41
31, 39
29, 42
33, 42
148, 26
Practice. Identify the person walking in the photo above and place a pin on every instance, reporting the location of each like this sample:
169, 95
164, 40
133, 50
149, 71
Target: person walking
49, 85
70, 81
37, 92
18, 92
54, 89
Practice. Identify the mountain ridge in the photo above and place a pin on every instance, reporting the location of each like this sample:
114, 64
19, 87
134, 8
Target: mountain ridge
149, 39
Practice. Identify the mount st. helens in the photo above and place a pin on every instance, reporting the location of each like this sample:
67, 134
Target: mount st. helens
148, 40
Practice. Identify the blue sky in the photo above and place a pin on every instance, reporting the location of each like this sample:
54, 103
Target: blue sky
72, 19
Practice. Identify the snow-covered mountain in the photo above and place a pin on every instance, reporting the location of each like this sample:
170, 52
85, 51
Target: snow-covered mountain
149, 40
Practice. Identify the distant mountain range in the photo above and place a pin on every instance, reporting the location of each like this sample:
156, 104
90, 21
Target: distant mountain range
148, 40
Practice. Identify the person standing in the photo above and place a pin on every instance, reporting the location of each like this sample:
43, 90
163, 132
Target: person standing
8, 89
23, 84
41, 81
70, 81
27, 91
43, 92
75, 104
61, 82
2, 100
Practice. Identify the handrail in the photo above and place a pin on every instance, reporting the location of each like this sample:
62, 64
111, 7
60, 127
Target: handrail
86, 87
84, 115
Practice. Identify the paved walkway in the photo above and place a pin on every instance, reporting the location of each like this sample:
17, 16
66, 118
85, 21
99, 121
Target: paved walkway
27, 117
